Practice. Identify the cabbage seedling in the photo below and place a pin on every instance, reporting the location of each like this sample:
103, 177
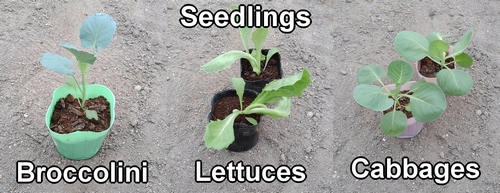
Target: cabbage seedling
427, 103
413, 47
96, 34
220, 134
225, 60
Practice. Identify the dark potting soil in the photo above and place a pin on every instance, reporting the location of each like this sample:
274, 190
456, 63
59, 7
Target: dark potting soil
271, 72
69, 117
429, 68
224, 107
403, 102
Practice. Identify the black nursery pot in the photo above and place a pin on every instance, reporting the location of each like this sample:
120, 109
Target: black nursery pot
245, 136
258, 85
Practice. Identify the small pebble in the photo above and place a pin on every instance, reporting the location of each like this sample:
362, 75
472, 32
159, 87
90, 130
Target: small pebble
441, 155
137, 88
310, 114
343, 72
38, 5
168, 78
475, 147
282, 157
479, 112
134, 122
390, 28
214, 33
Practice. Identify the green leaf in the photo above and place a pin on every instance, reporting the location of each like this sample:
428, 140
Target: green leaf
291, 86
244, 31
251, 120
399, 72
57, 63
436, 36
91, 114
394, 123
239, 86
281, 110
270, 54
372, 97
258, 38
437, 50
427, 103
220, 134
81, 56
369, 74
225, 60
464, 60
411, 45
70, 81
462, 44
97, 31
245, 35
454, 82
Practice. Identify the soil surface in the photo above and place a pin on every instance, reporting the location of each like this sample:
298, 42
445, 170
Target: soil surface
269, 73
69, 117
402, 103
224, 107
429, 68
163, 97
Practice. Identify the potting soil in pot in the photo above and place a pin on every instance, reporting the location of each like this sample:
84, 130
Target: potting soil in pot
69, 117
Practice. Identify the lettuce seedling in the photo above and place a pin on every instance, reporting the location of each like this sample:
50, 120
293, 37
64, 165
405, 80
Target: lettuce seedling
220, 134
427, 101
413, 47
225, 60
96, 34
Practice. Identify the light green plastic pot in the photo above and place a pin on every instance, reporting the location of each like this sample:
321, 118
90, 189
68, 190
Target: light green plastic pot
80, 145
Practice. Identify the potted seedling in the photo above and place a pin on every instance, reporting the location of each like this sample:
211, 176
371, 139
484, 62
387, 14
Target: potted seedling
258, 66
221, 131
406, 104
436, 59
81, 115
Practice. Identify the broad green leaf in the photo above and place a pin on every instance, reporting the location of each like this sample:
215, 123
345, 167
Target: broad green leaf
270, 53
427, 103
220, 134
239, 86
57, 63
454, 82
369, 74
70, 81
372, 97
394, 123
462, 43
436, 36
464, 60
437, 50
244, 31
83, 67
97, 31
411, 45
259, 37
291, 86
251, 120
81, 56
281, 110
91, 114
245, 35
225, 60
399, 72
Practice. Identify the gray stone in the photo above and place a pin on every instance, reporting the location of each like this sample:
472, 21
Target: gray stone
390, 28
310, 114
138, 88
343, 72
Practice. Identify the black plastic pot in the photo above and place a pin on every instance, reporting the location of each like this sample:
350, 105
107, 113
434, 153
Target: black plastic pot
245, 136
258, 85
